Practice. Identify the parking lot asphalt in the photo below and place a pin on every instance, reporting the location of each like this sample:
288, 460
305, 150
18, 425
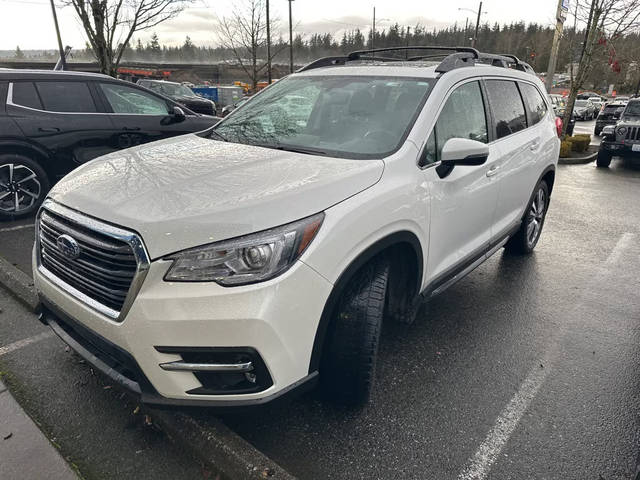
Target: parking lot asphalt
527, 368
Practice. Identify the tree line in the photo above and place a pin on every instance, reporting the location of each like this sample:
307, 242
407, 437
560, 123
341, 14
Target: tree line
616, 64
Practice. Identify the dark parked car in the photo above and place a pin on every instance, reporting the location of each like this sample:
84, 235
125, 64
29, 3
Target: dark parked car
559, 108
181, 94
51, 122
609, 115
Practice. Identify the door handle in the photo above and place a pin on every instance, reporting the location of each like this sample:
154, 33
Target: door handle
534, 145
131, 129
49, 129
492, 171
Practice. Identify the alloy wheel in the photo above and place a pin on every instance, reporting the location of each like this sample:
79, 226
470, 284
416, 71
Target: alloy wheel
20, 188
536, 217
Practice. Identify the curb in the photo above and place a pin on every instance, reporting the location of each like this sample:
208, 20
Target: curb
578, 160
219, 447
19, 284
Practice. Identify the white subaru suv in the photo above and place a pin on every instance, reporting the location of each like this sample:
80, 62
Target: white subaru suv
237, 265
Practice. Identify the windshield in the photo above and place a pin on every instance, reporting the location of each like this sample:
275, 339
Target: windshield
171, 90
342, 116
633, 109
581, 103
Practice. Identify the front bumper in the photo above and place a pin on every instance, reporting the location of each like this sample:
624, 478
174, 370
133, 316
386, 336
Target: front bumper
619, 148
276, 319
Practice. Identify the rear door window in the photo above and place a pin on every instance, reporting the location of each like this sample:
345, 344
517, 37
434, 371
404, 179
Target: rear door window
25, 95
506, 106
536, 107
69, 97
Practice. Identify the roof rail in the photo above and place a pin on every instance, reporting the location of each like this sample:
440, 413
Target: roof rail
462, 57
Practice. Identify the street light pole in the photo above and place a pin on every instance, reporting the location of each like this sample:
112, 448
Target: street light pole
55, 21
561, 15
268, 46
373, 30
475, 37
290, 39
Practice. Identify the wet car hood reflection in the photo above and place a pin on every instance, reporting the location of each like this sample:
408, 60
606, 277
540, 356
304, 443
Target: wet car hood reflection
188, 191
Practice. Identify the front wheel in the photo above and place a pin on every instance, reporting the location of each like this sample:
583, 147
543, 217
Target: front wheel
349, 359
527, 236
604, 159
23, 186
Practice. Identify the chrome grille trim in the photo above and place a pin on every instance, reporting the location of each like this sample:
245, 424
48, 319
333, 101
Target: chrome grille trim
119, 285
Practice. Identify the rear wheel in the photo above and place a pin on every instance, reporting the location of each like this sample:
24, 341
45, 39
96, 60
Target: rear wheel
350, 356
604, 159
526, 238
23, 185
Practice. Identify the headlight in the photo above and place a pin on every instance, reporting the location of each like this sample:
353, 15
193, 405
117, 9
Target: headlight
622, 130
253, 258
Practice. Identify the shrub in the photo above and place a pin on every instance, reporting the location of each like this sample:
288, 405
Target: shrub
579, 143
565, 148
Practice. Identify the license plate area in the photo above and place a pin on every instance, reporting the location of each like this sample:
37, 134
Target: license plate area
635, 147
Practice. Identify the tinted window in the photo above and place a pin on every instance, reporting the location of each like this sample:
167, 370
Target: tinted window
25, 94
463, 116
125, 99
536, 108
66, 97
506, 106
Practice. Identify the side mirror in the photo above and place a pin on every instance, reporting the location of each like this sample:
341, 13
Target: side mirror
178, 114
461, 151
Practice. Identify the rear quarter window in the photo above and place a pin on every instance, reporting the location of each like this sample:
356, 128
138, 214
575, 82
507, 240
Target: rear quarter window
536, 106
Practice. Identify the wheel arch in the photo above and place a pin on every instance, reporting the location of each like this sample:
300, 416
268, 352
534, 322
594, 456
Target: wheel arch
402, 246
26, 149
549, 176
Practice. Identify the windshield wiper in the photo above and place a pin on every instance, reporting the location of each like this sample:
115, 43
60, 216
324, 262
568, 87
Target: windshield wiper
219, 135
294, 148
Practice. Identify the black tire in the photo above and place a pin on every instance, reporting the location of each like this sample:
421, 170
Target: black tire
604, 159
525, 240
23, 186
349, 358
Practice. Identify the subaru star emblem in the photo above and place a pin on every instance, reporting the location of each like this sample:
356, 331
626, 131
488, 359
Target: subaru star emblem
68, 246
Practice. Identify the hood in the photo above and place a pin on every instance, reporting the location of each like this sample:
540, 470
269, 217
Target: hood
188, 191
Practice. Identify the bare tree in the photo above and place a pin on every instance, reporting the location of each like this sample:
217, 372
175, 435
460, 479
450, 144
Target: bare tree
606, 21
244, 35
110, 24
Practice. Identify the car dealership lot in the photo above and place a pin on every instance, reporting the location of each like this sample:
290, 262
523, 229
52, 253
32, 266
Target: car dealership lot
527, 368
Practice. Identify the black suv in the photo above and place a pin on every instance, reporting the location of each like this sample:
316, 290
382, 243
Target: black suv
609, 115
51, 122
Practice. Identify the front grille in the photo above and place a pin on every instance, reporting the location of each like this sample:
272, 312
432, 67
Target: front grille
103, 268
633, 133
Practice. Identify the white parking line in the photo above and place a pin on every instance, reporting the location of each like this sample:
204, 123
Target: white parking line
24, 342
18, 227
480, 464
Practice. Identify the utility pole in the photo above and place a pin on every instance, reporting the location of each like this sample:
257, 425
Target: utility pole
373, 30
60, 48
408, 37
269, 46
290, 39
561, 16
466, 32
475, 37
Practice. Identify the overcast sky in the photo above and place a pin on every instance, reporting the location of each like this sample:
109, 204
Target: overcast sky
28, 23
